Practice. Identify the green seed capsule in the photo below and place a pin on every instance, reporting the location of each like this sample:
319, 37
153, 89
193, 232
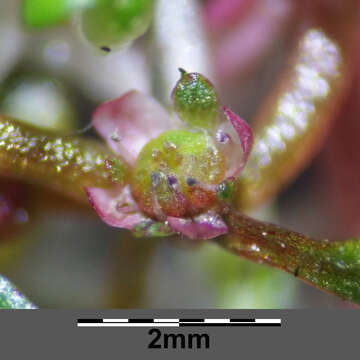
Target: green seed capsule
196, 101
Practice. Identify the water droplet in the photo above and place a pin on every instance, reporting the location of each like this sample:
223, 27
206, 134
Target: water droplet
155, 154
155, 178
115, 136
254, 247
222, 137
340, 264
120, 206
169, 146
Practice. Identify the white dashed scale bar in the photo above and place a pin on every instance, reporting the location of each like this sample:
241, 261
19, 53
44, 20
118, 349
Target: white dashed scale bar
153, 323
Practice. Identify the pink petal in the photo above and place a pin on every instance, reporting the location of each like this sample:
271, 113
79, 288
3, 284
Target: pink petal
222, 13
231, 136
129, 122
115, 207
203, 227
239, 49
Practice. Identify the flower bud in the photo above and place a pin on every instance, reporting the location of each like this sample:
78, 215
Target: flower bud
116, 23
196, 101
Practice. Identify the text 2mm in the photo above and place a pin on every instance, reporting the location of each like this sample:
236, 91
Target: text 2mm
178, 341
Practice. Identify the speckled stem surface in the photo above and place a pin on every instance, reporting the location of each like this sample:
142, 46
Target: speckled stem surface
294, 120
66, 164
329, 266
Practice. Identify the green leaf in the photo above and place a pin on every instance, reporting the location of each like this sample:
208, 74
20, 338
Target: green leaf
11, 298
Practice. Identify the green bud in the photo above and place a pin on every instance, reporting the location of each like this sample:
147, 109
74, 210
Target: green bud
116, 22
42, 13
196, 101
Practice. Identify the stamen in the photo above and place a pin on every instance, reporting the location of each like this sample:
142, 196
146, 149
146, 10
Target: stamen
169, 146
175, 186
191, 181
173, 182
155, 181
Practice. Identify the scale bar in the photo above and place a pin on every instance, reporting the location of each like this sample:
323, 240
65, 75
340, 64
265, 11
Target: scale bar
231, 324
153, 323
128, 325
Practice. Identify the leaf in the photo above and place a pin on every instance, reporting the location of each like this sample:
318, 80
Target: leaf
11, 298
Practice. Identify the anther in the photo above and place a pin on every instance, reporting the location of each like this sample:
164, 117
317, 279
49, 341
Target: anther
191, 181
172, 181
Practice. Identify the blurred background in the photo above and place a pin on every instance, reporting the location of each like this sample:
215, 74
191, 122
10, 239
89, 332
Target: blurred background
63, 256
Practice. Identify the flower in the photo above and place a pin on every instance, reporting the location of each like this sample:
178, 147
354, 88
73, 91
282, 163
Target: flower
183, 164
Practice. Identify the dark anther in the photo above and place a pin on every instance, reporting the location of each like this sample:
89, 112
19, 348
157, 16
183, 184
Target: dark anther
191, 181
172, 180
105, 48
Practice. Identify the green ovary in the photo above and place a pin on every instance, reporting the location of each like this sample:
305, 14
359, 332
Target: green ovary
168, 164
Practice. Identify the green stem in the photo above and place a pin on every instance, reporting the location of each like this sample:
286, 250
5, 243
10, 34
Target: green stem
66, 164
329, 266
